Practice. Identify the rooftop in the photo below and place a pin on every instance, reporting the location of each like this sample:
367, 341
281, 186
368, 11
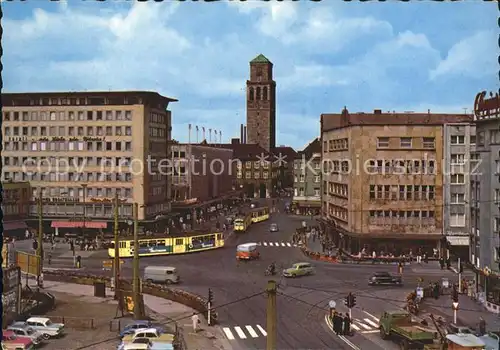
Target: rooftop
260, 59
378, 118
313, 147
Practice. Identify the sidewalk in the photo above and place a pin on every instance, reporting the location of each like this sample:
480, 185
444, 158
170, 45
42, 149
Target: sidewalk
164, 311
468, 312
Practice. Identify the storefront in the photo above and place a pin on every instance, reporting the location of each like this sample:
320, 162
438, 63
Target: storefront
306, 207
14, 229
488, 289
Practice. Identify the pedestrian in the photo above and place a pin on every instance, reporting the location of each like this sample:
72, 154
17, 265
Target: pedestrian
482, 326
49, 257
346, 327
195, 319
337, 324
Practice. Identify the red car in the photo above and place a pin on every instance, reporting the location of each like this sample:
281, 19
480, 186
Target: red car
10, 341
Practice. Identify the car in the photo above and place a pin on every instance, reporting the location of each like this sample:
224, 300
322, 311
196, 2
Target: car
21, 329
456, 329
130, 328
11, 341
45, 326
274, 228
152, 334
299, 269
385, 278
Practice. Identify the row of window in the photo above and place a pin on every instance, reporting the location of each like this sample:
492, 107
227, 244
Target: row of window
97, 209
339, 213
256, 175
460, 139
67, 116
302, 178
14, 209
256, 165
68, 177
301, 192
258, 93
157, 132
79, 192
403, 214
401, 166
65, 131
402, 192
302, 165
15, 193
407, 142
88, 146
338, 189
336, 145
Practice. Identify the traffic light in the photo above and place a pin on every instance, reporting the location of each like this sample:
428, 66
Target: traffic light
210, 295
454, 295
350, 301
346, 300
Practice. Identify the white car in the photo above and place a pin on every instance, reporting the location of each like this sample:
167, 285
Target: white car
45, 326
274, 228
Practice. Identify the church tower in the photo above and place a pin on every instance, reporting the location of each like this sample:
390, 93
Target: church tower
261, 104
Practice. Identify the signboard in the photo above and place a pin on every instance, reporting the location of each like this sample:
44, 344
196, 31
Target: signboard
332, 304
9, 302
11, 279
29, 263
109, 263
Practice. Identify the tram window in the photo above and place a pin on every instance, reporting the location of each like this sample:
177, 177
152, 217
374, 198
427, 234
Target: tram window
131, 245
160, 242
179, 241
219, 236
143, 244
112, 245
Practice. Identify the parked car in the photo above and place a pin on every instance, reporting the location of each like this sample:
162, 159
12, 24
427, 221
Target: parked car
385, 278
149, 333
274, 228
161, 274
299, 269
10, 341
45, 326
140, 324
21, 329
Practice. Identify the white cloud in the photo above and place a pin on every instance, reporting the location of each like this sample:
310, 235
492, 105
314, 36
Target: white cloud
473, 56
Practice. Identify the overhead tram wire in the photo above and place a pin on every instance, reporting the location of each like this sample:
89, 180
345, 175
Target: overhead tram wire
178, 319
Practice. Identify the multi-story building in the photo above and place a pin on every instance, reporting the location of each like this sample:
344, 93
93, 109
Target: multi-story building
307, 180
16, 198
383, 188
80, 149
284, 158
261, 104
458, 164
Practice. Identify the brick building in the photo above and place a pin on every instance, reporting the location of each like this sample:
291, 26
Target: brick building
261, 104
15, 206
383, 186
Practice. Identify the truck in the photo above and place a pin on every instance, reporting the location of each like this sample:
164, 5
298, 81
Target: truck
400, 327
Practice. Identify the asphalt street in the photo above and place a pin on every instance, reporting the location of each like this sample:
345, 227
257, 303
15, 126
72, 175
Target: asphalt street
302, 303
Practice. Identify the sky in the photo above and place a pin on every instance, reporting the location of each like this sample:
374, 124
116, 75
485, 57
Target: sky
392, 56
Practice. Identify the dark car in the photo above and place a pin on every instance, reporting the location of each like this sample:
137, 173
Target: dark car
385, 278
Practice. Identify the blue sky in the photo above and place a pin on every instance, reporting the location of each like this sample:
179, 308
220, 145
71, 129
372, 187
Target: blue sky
393, 56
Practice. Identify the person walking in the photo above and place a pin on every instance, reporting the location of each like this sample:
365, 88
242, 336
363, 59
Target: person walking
346, 326
196, 320
482, 326
337, 323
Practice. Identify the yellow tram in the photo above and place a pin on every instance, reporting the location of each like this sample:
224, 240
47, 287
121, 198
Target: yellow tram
241, 224
166, 245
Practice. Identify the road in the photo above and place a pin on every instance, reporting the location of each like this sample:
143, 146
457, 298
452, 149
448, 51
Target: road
302, 303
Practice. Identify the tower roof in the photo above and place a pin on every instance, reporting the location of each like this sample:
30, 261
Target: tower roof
260, 59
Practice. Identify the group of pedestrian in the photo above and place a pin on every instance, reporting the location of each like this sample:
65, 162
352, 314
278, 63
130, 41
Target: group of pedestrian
341, 324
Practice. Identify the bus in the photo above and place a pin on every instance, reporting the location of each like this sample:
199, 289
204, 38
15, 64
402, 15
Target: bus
242, 223
167, 245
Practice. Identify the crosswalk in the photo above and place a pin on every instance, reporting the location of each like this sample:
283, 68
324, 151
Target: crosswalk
365, 325
278, 244
244, 332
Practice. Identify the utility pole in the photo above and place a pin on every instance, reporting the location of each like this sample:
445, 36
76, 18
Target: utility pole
459, 275
271, 315
40, 238
116, 262
136, 291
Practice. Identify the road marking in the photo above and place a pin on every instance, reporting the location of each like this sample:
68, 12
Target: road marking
283, 244
240, 332
265, 243
370, 322
364, 326
355, 327
228, 333
369, 332
288, 244
264, 333
369, 314
271, 244
344, 339
277, 244
252, 332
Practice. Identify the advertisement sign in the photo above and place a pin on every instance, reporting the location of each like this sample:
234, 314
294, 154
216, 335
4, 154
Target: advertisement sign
11, 279
29, 263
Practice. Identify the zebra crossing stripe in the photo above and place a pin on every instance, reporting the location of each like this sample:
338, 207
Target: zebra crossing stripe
228, 333
264, 333
288, 244
252, 332
265, 243
240, 332
283, 244
271, 244
364, 326
370, 322
277, 244
356, 328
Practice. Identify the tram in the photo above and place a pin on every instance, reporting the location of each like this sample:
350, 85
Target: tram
241, 224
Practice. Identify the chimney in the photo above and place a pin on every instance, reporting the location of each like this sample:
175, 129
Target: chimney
245, 134
377, 111
241, 134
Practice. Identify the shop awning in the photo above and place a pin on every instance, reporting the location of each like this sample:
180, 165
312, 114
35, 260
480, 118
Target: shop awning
458, 240
306, 203
79, 224
14, 225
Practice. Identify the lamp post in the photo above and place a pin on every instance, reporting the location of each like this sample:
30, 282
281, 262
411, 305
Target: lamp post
84, 186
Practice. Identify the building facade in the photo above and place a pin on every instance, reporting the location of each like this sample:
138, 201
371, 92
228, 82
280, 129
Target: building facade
459, 164
307, 180
383, 186
16, 199
261, 104
201, 172
80, 149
